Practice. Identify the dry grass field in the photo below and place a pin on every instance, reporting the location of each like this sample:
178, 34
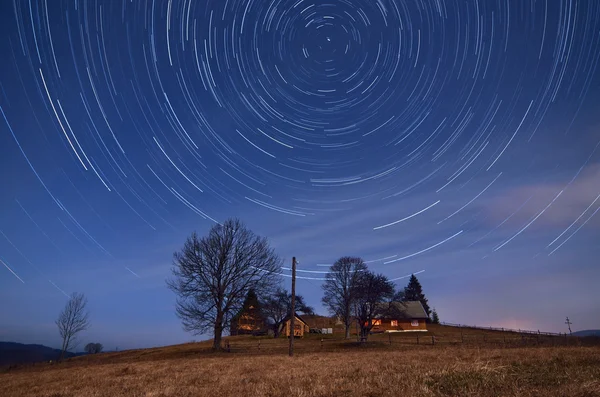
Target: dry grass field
476, 363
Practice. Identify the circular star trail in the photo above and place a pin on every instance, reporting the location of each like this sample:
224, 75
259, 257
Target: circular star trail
290, 109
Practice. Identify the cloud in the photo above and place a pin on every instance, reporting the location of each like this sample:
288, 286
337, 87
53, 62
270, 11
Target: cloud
523, 203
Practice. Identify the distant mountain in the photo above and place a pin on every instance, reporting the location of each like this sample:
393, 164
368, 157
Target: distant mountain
19, 353
587, 332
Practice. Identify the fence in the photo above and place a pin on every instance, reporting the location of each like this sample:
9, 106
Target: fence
459, 336
520, 331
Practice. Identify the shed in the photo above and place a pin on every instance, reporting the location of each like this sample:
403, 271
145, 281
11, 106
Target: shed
300, 327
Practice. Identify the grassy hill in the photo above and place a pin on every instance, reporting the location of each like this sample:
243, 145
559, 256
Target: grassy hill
588, 332
461, 362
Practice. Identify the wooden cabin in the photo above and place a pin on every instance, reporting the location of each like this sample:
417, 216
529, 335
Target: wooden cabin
300, 327
402, 317
249, 320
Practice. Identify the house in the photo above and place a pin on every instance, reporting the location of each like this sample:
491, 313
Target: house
401, 317
300, 327
249, 320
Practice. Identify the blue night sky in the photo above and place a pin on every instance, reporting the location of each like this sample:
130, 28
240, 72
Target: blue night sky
457, 139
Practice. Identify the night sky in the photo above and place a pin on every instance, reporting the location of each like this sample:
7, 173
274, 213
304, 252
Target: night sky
454, 139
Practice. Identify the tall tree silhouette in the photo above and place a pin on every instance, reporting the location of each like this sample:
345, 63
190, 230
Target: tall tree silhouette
71, 321
213, 274
340, 288
414, 292
372, 294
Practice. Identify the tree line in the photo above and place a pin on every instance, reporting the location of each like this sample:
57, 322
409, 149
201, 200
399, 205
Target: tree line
217, 276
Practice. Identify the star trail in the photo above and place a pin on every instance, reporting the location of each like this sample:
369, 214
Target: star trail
457, 139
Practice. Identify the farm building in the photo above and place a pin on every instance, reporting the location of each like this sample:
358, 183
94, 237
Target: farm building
402, 317
316, 322
249, 320
300, 327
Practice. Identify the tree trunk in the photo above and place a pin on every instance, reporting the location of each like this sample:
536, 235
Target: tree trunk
364, 334
64, 348
347, 331
218, 332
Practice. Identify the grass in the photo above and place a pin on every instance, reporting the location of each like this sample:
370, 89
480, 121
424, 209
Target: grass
333, 367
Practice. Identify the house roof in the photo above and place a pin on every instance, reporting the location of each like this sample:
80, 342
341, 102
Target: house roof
286, 318
406, 310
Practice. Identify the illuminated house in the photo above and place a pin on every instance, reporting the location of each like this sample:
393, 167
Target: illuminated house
249, 320
300, 327
401, 317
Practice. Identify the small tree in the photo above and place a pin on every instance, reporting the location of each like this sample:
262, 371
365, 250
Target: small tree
93, 348
414, 292
213, 274
73, 319
434, 317
339, 288
372, 299
277, 306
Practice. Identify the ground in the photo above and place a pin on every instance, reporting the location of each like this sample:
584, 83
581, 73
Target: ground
476, 363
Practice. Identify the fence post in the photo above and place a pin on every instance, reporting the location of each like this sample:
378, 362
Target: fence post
390, 337
417, 339
432, 340
321, 343
259, 344
462, 337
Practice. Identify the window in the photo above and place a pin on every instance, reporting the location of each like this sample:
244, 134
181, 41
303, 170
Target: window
414, 323
394, 323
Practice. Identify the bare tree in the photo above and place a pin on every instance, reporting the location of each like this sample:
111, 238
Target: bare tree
339, 289
372, 299
71, 321
213, 274
277, 306
93, 348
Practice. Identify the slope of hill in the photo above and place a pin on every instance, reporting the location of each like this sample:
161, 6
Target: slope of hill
461, 362
19, 353
587, 332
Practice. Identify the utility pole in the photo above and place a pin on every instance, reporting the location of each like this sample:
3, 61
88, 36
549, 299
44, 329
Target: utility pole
293, 308
568, 322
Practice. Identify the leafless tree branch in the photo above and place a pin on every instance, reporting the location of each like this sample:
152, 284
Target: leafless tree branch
212, 275
339, 289
73, 319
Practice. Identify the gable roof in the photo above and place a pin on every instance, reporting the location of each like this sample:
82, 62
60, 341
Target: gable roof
286, 318
406, 310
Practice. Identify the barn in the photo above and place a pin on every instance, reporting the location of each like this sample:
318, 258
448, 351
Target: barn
402, 317
300, 327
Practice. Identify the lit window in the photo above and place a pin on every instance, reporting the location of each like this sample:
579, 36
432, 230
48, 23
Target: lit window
376, 322
394, 323
414, 323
